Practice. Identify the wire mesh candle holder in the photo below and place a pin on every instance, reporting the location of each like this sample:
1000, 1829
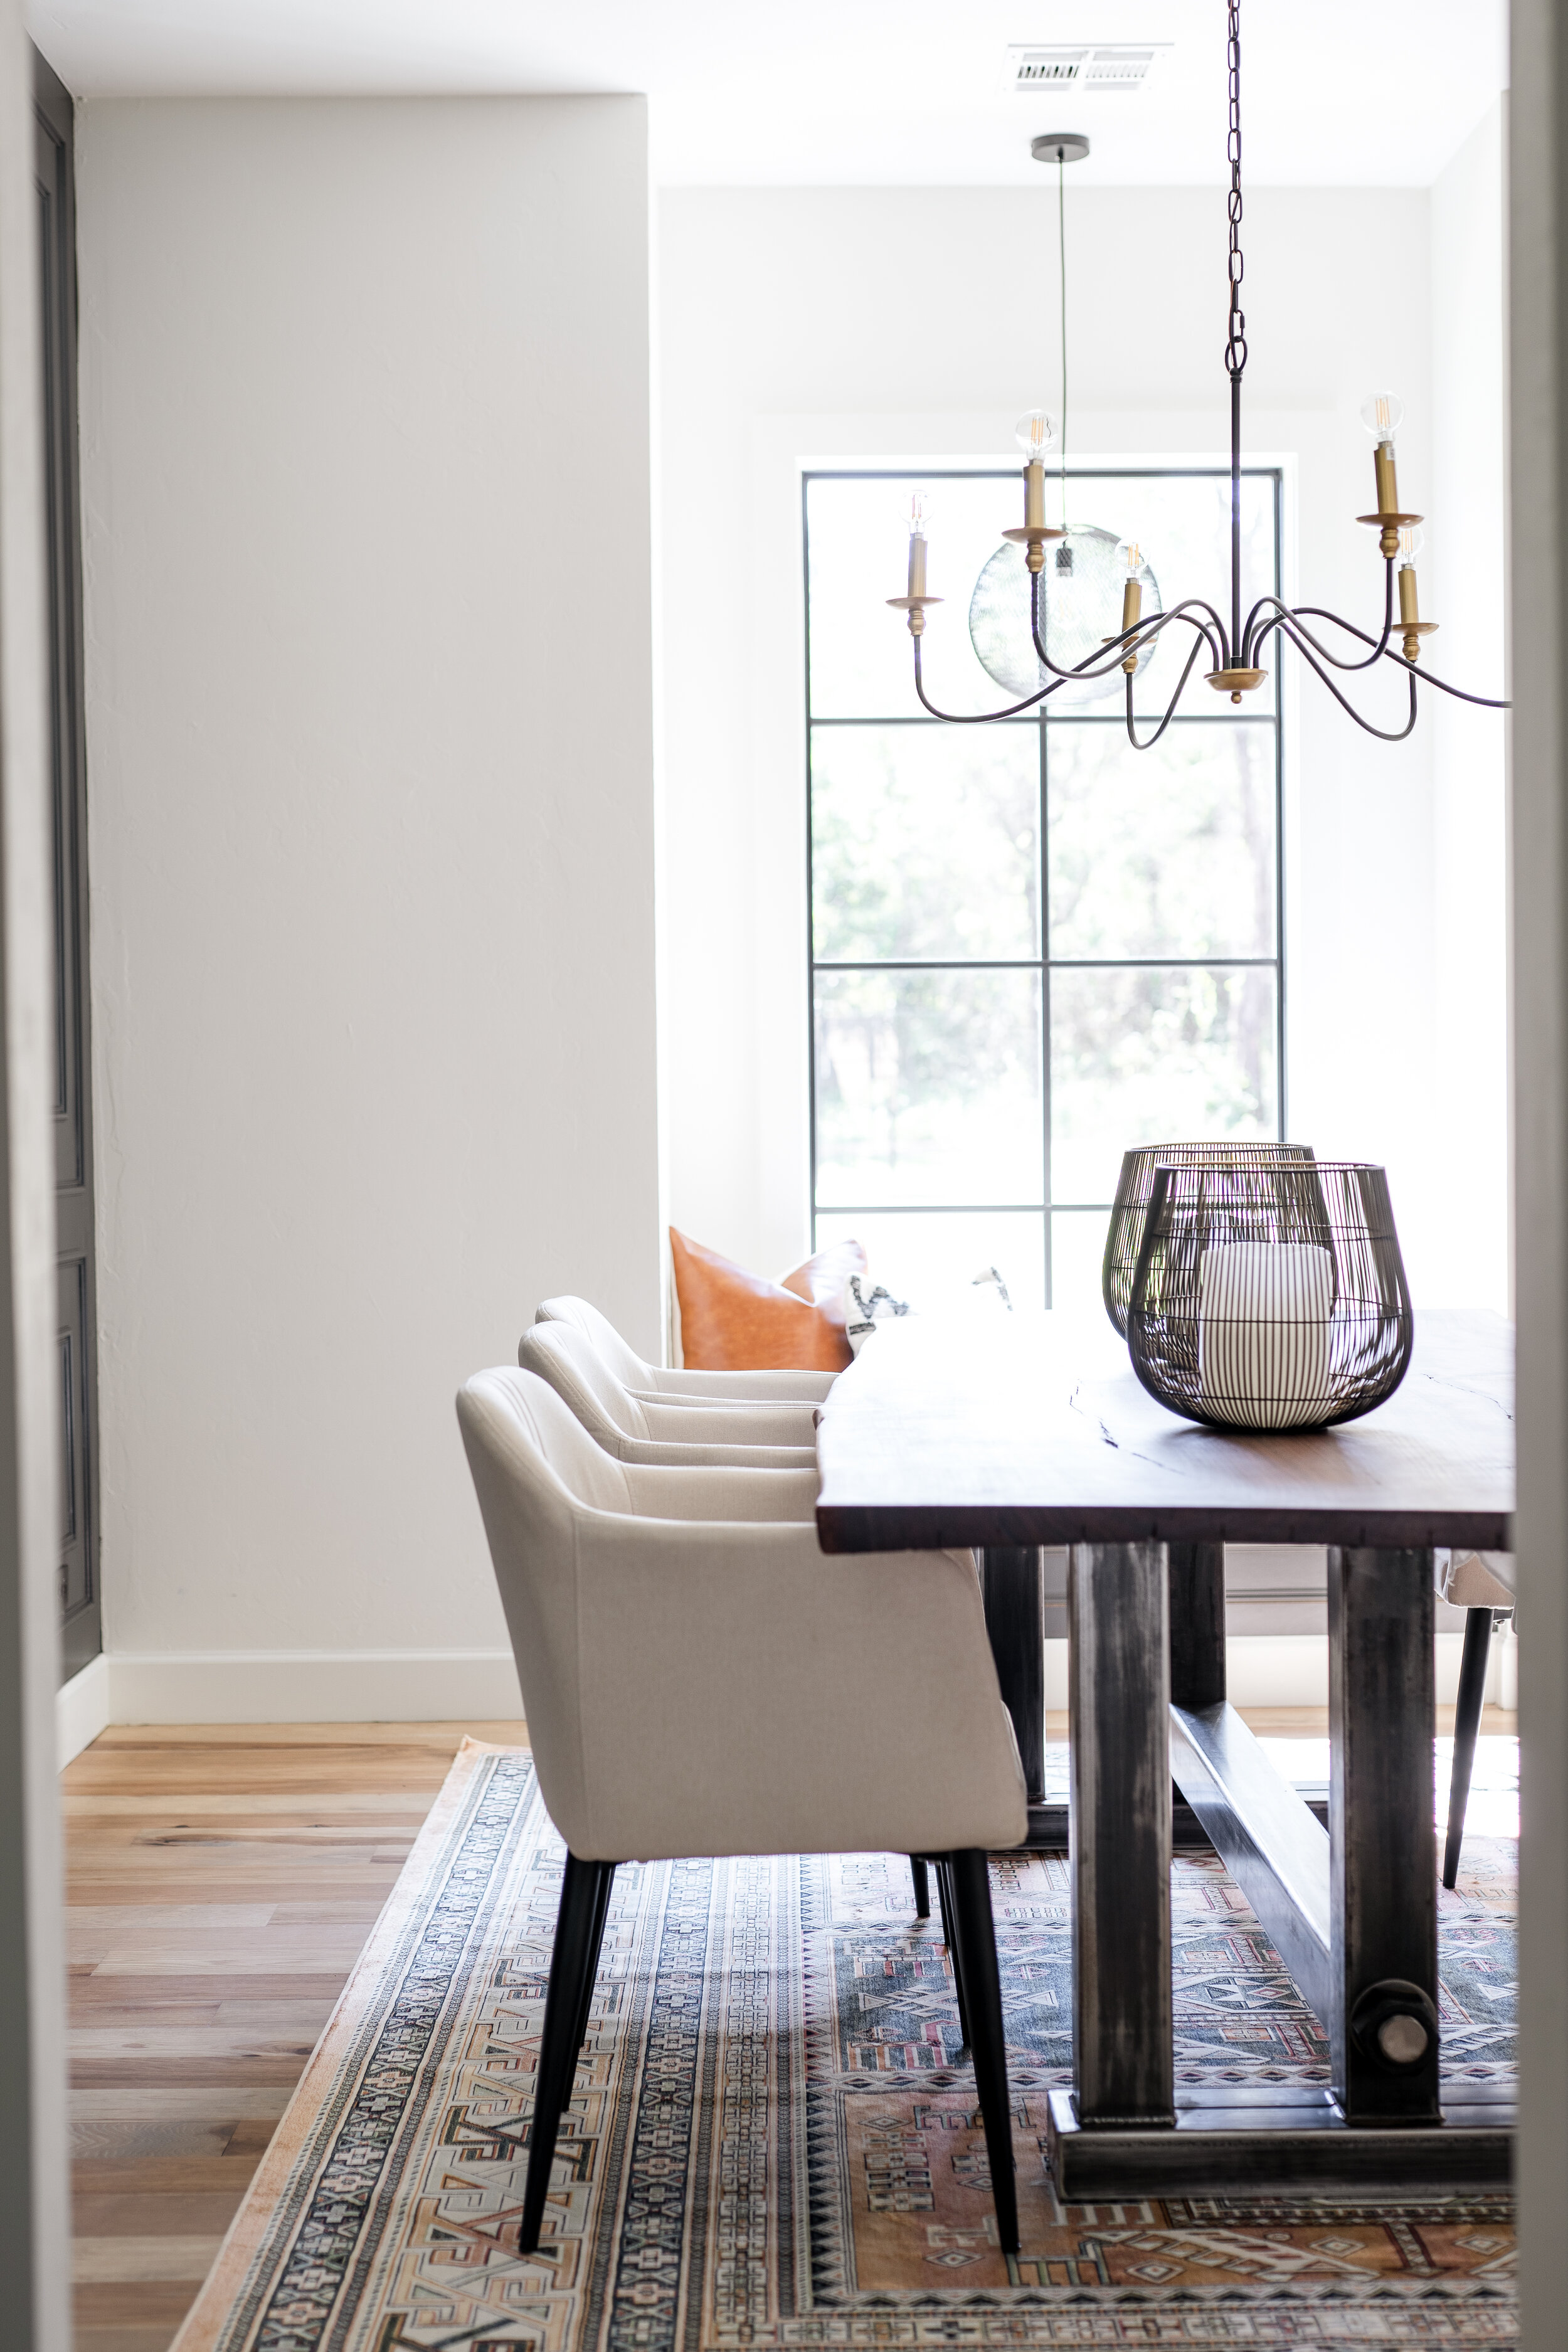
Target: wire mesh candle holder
1135, 1191
1270, 1298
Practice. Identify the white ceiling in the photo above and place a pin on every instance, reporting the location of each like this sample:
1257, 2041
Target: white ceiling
881, 92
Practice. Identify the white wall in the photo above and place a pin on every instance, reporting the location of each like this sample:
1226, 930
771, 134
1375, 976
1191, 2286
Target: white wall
1467, 564
365, 421
875, 323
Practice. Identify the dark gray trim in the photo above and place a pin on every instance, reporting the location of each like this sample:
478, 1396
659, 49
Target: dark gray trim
35, 2195
1059, 963
55, 159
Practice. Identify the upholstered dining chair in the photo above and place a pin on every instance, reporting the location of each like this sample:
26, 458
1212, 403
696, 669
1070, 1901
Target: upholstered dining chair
654, 1379
1481, 1584
563, 1355
693, 1673
646, 1429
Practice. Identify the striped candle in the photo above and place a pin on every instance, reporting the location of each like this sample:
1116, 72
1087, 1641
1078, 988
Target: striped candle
1263, 1332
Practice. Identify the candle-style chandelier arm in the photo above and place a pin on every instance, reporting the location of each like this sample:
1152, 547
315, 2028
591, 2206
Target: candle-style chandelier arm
977, 718
1149, 741
1283, 621
1255, 633
1140, 633
1091, 667
1427, 678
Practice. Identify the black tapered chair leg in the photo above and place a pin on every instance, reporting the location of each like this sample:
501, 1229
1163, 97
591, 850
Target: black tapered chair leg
971, 1893
950, 1938
585, 1893
1467, 1724
922, 1885
586, 2002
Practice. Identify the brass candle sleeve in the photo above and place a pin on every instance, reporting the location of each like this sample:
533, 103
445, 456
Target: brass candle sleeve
1131, 611
1414, 627
1387, 483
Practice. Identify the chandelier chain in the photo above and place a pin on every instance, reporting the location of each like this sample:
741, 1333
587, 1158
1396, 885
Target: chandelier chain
1236, 342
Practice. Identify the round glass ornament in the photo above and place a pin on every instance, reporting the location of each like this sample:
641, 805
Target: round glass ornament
1080, 607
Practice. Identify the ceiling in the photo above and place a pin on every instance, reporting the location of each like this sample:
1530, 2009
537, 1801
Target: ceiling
875, 92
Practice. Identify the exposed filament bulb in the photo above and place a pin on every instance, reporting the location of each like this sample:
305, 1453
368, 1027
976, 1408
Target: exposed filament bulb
1383, 413
1036, 433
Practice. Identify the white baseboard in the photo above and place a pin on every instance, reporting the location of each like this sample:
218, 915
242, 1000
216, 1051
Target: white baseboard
81, 1709
1292, 1670
301, 1686
480, 1686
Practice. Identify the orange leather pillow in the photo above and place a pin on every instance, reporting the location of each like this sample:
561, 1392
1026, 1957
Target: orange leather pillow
733, 1321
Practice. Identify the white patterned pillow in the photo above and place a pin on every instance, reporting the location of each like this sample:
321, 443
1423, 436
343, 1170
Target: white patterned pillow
864, 1309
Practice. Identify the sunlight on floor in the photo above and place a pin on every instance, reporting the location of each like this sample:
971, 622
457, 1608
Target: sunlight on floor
1493, 1809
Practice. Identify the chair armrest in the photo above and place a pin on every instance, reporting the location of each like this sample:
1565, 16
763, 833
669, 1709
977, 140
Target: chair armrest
708, 1492
701, 1423
665, 1453
740, 1388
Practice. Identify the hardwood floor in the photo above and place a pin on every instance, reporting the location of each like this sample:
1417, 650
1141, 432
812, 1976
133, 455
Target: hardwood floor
220, 1883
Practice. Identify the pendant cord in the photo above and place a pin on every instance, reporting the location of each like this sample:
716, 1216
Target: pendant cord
1236, 339
1062, 272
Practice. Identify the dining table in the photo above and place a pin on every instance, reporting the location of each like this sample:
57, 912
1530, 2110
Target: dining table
1010, 1433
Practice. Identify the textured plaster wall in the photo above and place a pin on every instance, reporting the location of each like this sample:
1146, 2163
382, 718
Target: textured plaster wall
371, 828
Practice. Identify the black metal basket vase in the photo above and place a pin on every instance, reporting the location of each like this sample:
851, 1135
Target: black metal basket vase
1269, 1297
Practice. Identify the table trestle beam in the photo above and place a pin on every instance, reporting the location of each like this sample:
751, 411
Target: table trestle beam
1269, 1840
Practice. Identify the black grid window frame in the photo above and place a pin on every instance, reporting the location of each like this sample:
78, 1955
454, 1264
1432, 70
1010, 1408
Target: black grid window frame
1045, 963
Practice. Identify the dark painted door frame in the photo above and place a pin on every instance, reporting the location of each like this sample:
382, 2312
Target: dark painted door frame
80, 1625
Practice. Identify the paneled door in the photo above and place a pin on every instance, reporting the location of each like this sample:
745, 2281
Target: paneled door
80, 1612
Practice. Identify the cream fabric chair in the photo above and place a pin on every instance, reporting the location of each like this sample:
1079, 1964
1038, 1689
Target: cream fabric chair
1481, 1583
653, 1380
698, 1679
643, 1429
622, 1424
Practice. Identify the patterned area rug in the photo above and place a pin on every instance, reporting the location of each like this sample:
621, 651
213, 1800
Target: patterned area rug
771, 2143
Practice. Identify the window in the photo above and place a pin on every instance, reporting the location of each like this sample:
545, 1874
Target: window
1030, 945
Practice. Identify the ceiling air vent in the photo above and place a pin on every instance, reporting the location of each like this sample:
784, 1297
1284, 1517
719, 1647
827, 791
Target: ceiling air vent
1033, 70
1044, 68
1116, 68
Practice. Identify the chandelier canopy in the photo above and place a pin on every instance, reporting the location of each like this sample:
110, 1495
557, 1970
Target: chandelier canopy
1036, 615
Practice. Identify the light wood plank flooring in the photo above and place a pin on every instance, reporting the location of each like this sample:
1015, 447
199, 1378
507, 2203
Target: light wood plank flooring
221, 1882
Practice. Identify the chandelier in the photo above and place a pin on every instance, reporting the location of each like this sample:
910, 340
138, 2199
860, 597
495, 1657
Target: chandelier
1235, 651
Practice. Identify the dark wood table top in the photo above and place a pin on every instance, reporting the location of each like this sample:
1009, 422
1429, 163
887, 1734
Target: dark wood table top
1033, 1429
